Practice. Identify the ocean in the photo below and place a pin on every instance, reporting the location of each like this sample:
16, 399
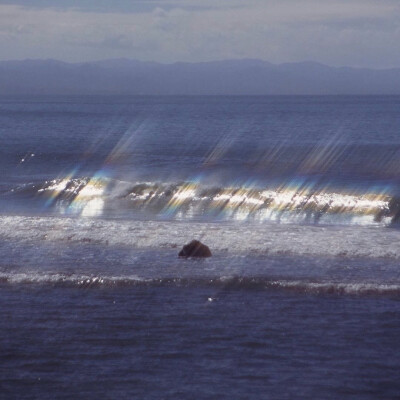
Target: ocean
298, 198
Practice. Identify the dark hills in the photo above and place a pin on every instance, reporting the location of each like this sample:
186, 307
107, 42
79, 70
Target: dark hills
230, 77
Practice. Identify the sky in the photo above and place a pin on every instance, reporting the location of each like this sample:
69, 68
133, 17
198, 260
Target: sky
357, 33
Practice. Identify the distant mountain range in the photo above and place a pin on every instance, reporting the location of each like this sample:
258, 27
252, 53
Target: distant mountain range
230, 77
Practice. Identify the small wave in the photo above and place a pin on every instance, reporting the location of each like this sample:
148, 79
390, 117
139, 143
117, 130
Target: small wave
338, 288
60, 279
219, 283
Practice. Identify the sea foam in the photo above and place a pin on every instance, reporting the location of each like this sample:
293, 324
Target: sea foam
233, 237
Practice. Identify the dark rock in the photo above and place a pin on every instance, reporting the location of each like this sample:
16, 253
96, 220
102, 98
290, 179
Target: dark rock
195, 249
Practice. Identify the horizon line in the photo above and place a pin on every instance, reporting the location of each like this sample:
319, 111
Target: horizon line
258, 60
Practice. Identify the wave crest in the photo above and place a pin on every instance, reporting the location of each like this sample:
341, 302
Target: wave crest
192, 200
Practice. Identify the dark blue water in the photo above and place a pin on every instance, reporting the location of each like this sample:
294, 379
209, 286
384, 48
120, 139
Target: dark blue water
298, 199
170, 342
185, 136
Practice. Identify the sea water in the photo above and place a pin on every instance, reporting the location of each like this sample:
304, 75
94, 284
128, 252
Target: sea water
298, 199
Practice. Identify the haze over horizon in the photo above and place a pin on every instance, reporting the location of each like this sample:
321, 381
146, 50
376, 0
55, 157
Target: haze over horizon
354, 33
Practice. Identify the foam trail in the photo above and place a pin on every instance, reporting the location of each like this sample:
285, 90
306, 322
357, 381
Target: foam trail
236, 238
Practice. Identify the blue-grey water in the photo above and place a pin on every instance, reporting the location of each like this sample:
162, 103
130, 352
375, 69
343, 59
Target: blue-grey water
298, 199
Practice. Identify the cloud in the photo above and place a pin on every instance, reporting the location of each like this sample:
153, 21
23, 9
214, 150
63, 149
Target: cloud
352, 32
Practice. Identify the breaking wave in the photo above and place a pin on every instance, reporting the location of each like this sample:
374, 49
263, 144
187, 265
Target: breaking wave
291, 202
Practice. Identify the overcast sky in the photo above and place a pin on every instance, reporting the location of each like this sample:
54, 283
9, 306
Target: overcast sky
359, 33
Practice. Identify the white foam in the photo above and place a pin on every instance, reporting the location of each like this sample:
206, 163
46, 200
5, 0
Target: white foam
248, 238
